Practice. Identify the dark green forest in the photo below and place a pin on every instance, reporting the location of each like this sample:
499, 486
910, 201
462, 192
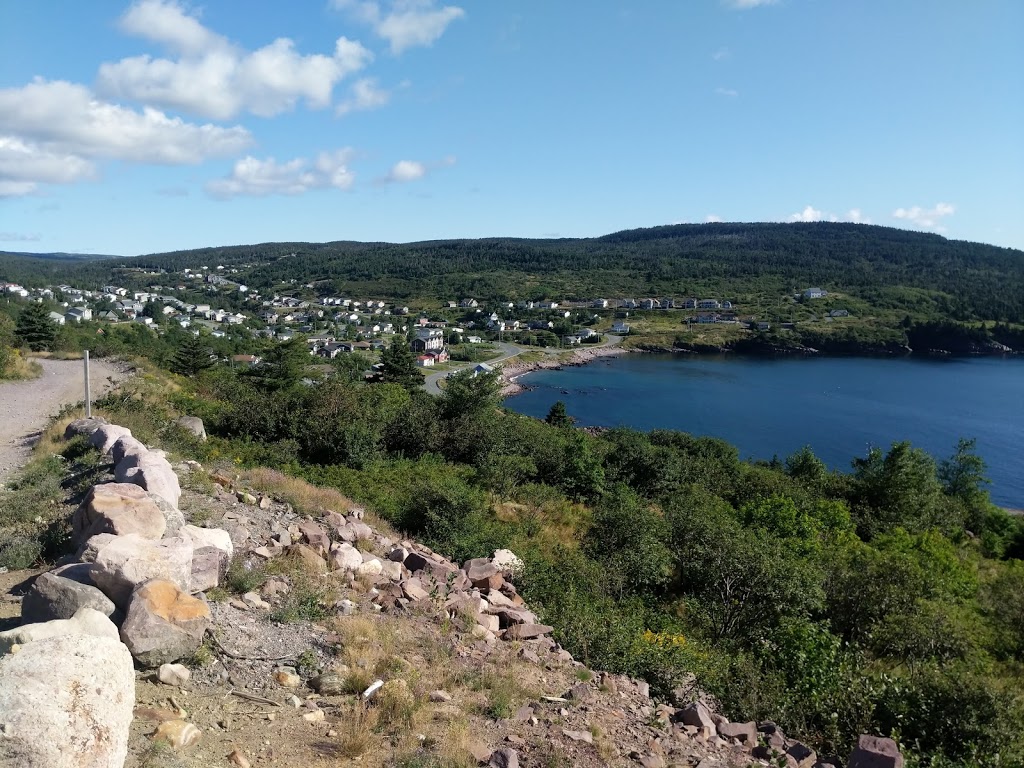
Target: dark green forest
964, 281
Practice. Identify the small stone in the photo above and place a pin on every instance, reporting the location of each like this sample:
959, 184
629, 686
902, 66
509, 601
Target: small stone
253, 600
584, 736
316, 716
237, 759
287, 678
504, 758
440, 696
177, 733
328, 684
295, 701
173, 674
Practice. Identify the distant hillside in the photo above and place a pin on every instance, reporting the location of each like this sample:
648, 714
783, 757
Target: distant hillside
953, 278
59, 255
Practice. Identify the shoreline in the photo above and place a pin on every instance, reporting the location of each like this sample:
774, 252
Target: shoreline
513, 370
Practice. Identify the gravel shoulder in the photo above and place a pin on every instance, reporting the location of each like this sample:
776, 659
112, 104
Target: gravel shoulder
26, 406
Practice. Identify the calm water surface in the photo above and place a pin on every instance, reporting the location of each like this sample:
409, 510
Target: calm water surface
838, 406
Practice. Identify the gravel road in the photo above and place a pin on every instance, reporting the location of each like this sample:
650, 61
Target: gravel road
26, 406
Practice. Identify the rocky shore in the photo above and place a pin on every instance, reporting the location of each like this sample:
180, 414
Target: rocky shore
514, 368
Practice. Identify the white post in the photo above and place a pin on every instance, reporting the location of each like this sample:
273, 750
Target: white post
88, 397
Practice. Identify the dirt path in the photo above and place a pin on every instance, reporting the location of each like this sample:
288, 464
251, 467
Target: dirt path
25, 406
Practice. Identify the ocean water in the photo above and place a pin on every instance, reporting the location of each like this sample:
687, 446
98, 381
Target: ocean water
838, 406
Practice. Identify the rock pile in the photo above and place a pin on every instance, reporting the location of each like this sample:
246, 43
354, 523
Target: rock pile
67, 679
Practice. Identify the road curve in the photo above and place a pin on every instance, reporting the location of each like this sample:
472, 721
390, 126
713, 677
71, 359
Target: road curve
432, 383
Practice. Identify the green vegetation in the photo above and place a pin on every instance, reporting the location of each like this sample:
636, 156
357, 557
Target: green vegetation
885, 599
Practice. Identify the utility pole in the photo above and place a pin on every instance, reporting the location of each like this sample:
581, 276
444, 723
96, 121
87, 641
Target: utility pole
88, 396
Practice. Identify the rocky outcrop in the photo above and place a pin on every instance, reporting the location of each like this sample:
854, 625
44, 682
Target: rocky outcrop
117, 508
66, 702
86, 621
61, 593
127, 562
163, 624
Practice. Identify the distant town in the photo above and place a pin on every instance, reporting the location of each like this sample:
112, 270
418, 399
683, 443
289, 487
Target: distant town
337, 325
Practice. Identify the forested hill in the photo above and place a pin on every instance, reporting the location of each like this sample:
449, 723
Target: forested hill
975, 281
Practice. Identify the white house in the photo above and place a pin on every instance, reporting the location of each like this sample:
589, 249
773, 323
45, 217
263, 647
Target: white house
620, 327
815, 293
58, 318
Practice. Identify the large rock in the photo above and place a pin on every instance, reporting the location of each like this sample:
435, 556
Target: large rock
209, 537
345, 558
66, 702
127, 562
209, 567
745, 733
485, 576
60, 594
105, 435
875, 752
163, 623
527, 631
194, 425
697, 715
85, 622
118, 508
126, 446
151, 471
83, 427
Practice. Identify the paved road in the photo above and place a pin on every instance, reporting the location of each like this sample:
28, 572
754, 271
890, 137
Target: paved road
508, 351
26, 406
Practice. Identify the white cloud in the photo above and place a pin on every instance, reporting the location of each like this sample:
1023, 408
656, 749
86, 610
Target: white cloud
51, 132
926, 218
721, 54
810, 213
807, 214
23, 166
364, 95
742, 5
167, 23
216, 78
404, 23
251, 176
712, 218
731, 93
407, 170
412, 170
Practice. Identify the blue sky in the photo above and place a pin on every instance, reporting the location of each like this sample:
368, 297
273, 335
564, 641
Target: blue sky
132, 128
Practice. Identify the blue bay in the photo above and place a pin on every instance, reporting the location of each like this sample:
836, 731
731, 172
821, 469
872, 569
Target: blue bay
838, 406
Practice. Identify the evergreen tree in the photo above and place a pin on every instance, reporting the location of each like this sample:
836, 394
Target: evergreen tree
399, 365
283, 365
558, 416
35, 329
191, 357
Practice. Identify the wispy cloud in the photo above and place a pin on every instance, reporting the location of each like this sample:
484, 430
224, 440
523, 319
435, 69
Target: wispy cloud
730, 92
213, 77
926, 218
20, 237
721, 54
364, 95
742, 5
403, 23
259, 178
810, 213
405, 171
712, 218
